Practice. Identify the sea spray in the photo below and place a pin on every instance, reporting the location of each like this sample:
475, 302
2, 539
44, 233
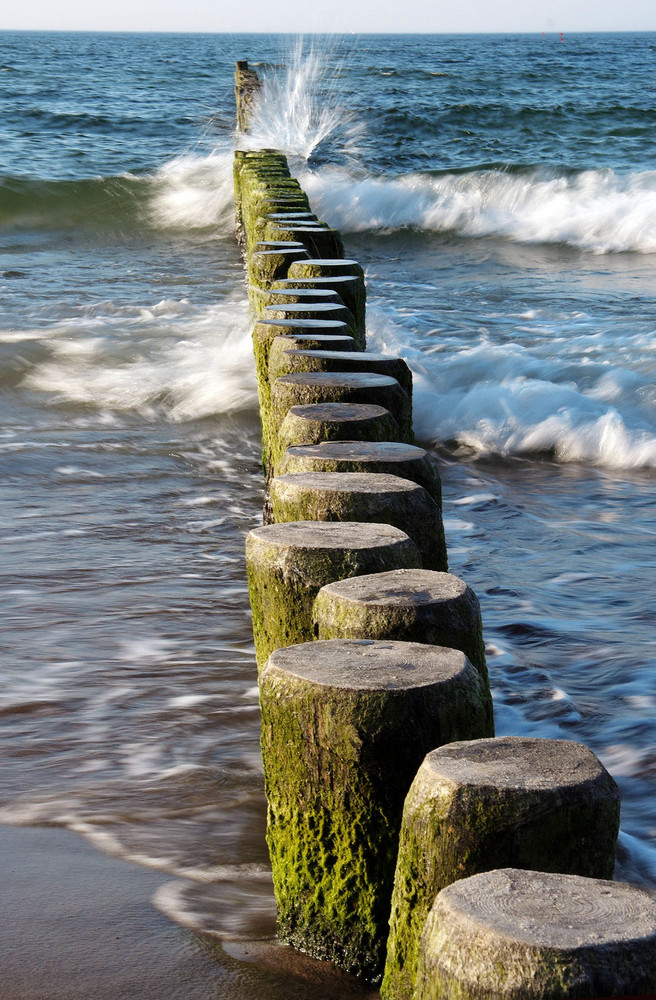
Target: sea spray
193, 192
302, 109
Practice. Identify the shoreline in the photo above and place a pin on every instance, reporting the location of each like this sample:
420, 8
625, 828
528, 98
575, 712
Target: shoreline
77, 923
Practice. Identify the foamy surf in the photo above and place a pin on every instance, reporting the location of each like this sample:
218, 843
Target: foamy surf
171, 359
556, 389
596, 210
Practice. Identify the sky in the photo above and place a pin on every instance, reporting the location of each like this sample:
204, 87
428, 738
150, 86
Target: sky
339, 16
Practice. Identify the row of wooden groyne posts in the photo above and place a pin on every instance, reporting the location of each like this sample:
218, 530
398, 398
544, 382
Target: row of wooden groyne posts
407, 842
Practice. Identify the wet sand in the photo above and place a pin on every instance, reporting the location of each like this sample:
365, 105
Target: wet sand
76, 924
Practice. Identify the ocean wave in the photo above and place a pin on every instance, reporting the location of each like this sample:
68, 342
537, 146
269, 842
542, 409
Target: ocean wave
601, 211
512, 399
172, 359
104, 203
190, 192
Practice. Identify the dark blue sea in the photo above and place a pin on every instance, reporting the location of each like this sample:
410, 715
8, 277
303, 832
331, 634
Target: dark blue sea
500, 191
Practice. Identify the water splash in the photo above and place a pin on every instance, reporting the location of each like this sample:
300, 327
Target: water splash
172, 359
302, 108
193, 192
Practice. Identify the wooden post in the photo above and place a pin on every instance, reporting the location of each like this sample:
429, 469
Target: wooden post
288, 564
526, 935
354, 496
247, 89
541, 804
344, 727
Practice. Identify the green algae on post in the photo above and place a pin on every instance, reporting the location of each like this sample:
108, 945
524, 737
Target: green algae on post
265, 332
541, 804
345, 725
287, 564
265, 266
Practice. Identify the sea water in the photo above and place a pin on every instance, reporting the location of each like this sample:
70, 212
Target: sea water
500, 192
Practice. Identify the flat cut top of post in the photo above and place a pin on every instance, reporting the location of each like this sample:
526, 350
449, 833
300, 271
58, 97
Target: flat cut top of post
320, 281
336, 411
522, 763
300, 295
287, 341
354, 358
333, 535
399, 587
284, 251
370, 664
301, 308
545, 910
301, 226
265, 245
345, 482
330, 261
388, 451
306, 323
342, 380
290, 216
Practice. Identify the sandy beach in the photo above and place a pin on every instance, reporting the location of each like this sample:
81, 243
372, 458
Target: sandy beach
76, 923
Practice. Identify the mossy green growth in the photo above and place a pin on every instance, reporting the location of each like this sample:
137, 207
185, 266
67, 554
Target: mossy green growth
337, 765
266, 162
265, 332
453, 829
265, 266
256, 205
286, 571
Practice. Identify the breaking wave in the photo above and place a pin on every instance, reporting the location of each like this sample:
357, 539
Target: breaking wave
601, 211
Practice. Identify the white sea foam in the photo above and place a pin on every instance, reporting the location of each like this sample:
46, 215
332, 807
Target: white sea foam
516, 398
193, 192
598, 210
173, 359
